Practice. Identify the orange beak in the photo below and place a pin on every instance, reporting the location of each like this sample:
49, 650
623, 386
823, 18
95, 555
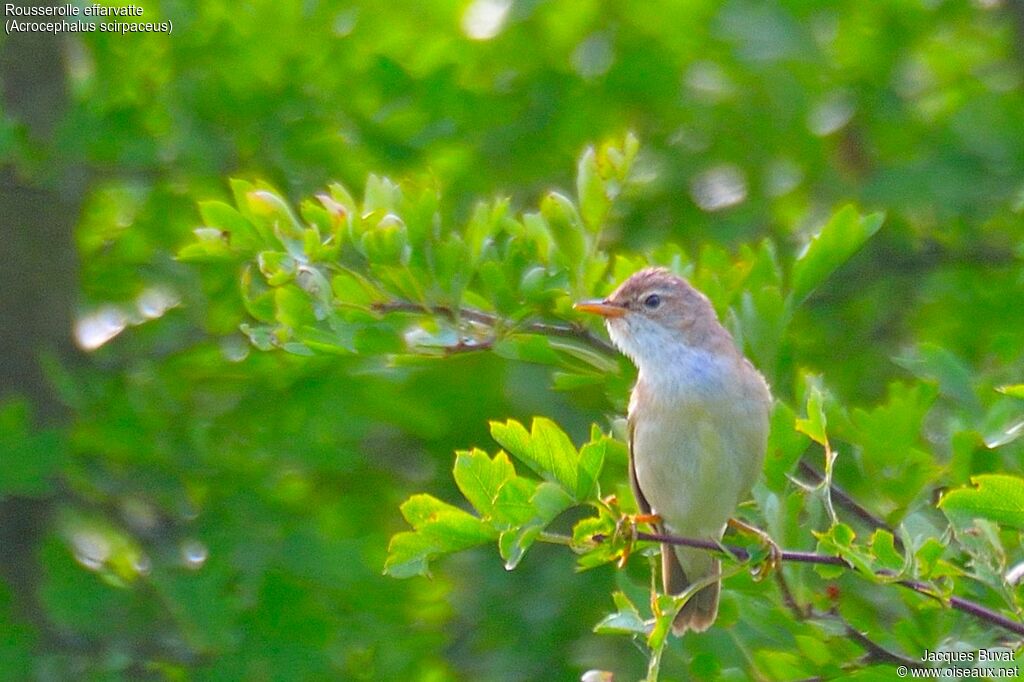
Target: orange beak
600, 308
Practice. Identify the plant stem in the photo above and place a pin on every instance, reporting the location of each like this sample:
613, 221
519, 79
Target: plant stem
958, 603
571, 331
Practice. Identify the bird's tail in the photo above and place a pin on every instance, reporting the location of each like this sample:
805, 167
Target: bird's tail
682, 566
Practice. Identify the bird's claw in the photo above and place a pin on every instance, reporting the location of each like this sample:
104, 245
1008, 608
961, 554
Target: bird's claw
771, 563
627, 527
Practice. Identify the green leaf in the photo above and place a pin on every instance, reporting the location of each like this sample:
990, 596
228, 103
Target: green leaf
566, 228
277, 267
785, 445
590, 462
528, 348
409, 554
355, 290
243, 234
996, 497
839, 541
512, 544
268, 205
292, 307
484, 226
546, 449
481, 478
387, 243
934, 363
512, 504
381, 194
547, 502
440, 529
585, 529
626, 621
928, 555
211, 246
590, 191
1016, 390
814, 425
883, 546
764, 315
834, 244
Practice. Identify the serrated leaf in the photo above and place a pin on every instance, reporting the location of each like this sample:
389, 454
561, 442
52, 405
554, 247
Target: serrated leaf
928, 555
409, 554
480, 478
512, 506
440, 528
996, 497
883, 546
586, 528
814, 425
546, 503
832, 246
546, 449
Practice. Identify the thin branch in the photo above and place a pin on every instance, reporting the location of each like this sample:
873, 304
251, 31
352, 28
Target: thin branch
799, 611
958, 603
851, 505
468, 347
876, 652
572, 331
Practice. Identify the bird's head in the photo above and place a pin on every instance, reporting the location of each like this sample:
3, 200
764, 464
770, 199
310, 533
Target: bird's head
654, 315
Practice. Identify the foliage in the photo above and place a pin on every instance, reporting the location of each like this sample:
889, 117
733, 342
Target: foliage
219, 501
505, 284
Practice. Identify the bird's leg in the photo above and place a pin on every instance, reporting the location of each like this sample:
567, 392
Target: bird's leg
774, 560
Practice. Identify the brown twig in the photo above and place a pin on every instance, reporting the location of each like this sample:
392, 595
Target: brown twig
958, 603
843, 499
573, 331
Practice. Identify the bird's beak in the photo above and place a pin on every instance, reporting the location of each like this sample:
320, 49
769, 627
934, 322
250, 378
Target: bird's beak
600, 308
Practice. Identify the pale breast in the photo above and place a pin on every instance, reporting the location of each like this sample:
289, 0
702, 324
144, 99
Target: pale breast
698, 442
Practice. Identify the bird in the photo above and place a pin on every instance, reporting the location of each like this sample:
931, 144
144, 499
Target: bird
698, 424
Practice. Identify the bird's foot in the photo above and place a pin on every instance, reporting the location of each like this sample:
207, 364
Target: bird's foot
652, 519
626, 528
773, 560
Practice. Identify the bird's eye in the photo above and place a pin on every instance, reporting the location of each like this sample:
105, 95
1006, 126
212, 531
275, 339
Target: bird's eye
652, 301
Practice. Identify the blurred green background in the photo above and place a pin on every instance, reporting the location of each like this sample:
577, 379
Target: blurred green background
176, 505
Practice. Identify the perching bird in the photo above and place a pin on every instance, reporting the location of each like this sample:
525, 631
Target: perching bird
698, 423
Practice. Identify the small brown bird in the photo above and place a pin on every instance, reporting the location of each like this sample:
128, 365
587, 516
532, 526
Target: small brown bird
698, 423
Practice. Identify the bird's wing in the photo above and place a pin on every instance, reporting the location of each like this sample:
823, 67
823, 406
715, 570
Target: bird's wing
641, 501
